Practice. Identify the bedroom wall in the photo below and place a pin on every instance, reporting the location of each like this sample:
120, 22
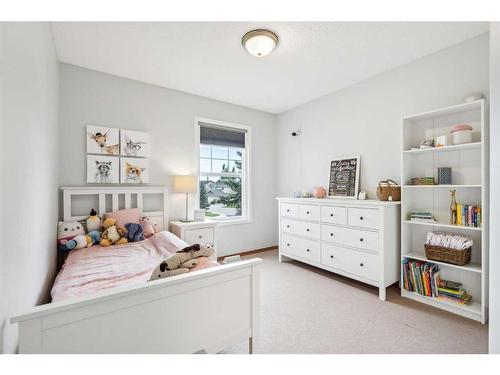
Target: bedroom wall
494, 332
365, 119
90, 97
29, 88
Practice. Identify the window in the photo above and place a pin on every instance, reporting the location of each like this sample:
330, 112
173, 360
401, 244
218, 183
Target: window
223, 170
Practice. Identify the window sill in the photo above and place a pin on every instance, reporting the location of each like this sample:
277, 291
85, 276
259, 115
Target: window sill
223, 223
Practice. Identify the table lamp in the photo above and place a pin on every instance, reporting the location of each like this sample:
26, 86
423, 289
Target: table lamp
186, 185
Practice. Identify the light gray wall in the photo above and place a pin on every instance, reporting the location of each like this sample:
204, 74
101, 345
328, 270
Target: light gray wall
494, 332
365, 119
29, 89
90, 97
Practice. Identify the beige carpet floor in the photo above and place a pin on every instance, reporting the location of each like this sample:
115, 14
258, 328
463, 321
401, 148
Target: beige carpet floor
308, 310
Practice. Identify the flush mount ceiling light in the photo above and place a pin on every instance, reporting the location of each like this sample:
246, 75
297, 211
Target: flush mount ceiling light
260, 42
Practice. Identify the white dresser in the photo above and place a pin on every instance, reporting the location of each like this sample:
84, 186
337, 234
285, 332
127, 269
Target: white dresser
355, 238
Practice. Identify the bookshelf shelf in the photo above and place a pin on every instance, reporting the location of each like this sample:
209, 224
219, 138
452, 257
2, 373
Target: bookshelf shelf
442, 225
469, 164
472, 311
442, 186
472, 267
465, 146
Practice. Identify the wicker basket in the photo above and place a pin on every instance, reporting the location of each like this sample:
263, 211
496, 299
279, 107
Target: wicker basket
444, 254
388, 188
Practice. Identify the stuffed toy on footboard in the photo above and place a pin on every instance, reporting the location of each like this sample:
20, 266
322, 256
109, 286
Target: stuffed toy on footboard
182, 261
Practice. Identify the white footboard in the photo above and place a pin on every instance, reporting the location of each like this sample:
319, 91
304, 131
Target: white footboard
205, 310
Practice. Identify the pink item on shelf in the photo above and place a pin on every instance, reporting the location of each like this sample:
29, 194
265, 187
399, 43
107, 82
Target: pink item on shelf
460, 127
319, 192
94, 269
129, 215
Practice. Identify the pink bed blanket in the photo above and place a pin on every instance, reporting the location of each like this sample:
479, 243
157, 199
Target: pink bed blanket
97, 268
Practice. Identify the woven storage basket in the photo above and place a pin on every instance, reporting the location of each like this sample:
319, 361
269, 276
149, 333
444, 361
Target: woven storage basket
444, 254
388, 188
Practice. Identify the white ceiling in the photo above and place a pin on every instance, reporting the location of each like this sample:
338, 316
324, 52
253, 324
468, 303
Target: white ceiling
206, 58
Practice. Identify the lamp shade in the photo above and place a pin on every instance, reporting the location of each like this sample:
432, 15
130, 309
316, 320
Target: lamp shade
185, 184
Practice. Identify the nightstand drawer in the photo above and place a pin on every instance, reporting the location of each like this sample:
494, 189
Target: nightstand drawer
201, 236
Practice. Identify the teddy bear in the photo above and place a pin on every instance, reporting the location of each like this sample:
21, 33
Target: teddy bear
182, 261
113, 234
67, 231
149, 227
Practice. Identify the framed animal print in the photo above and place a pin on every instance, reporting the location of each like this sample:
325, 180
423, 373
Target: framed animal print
103, 169
134, 170
103, 140
344, 178
134, 143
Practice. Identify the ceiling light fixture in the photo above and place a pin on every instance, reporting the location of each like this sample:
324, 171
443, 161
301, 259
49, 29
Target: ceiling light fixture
260, 42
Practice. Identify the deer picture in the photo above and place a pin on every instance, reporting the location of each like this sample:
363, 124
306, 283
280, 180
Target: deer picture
100, 139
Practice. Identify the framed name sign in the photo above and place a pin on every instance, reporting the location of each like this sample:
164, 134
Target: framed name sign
344, 178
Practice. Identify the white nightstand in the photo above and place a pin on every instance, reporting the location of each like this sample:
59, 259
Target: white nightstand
203, 232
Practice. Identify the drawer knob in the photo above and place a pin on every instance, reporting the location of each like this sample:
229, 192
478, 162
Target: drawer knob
331, 215
361, 264
331, 256
307, 230
287, 210
287, 244
308, 250
361, 239
361, 218
200, 236
288, 226
307, 212
331, 234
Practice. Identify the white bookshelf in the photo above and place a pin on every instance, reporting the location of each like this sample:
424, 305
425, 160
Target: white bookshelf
469, 163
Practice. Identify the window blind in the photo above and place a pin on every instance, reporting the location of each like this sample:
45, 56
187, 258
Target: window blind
218, 136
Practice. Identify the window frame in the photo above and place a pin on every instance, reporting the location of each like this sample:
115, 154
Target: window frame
246, 193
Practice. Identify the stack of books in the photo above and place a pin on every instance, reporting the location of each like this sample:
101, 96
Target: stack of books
422, 217
422, 181
453, 291
421, 277
469, 216
424, 278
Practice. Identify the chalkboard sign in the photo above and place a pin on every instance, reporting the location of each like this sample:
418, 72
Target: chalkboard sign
344, 178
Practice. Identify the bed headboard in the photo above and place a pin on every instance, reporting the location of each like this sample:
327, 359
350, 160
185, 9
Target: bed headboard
133, 197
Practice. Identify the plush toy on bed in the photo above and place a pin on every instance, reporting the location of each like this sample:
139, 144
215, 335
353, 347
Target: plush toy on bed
181, 261
135, 232
113, 234
84, 240
68, 230
149, 227
93, 221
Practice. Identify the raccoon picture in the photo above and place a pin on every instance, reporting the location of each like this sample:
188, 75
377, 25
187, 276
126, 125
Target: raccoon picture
103, 172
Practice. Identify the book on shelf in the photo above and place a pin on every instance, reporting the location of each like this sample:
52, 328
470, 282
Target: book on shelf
422, 217
424, 278
422, 181
468, 215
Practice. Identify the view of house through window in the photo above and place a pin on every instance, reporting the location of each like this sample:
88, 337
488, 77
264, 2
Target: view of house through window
222, 172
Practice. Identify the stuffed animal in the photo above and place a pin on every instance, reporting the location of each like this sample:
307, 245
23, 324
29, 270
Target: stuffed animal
93, 237
181, 261
112, 234
84, 240
67, 230
93, 221
135, 232
149, 227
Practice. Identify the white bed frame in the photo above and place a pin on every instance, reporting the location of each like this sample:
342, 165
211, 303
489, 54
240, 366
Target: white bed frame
208, 310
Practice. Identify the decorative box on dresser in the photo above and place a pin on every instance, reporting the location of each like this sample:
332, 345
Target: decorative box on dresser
358, 239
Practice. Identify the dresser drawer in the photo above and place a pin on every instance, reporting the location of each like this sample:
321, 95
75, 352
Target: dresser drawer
309, 212
355, 262
201, 236
334, 215
363, 217
289, 210
301, 228
301, 247
361, 239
